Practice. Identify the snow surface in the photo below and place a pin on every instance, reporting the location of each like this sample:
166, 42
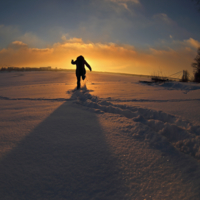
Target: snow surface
116, 138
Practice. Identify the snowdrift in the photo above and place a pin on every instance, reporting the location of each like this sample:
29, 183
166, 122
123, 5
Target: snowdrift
154, 127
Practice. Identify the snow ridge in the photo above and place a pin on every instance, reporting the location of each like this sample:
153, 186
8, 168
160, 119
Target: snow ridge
151, 100
34, 99
155, 127
186, 87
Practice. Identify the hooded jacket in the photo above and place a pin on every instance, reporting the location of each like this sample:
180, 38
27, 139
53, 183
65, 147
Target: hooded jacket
80, 66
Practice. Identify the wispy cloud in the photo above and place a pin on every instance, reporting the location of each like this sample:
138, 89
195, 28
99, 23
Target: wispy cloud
192, 42
14, 33
162, 17
8, 30
31, 39
18, 45
125, 3
8, 33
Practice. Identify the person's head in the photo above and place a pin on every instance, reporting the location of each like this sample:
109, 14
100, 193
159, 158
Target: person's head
81, 58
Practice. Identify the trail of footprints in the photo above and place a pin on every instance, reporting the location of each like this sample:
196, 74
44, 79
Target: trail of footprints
151, 125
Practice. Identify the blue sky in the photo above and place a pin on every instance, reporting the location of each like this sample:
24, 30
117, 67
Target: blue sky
143, 25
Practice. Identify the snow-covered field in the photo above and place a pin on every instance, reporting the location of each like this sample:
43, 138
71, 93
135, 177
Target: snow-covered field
116, 138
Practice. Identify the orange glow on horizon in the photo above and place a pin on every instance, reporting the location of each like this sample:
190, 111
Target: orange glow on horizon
102, 57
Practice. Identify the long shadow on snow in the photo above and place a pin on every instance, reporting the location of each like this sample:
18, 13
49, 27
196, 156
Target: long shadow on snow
65, 157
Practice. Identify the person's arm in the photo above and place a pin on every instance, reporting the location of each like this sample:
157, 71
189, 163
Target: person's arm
73, 62
88, 66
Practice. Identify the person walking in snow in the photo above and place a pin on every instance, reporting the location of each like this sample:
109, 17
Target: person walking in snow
80, 63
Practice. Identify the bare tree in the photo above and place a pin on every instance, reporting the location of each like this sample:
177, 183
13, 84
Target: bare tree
196, 66
185, 77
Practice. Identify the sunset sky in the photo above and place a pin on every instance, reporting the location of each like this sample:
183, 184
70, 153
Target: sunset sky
129, 36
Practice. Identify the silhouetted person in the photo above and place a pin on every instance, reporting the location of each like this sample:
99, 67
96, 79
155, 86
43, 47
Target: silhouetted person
80, 69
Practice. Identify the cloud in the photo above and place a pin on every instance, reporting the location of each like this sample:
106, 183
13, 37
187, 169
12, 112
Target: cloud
125, 3
163, 18
8, 33
13, 33
8, 30
192, 42
18, 45
102, 56
20, 54
165, 26
31, 39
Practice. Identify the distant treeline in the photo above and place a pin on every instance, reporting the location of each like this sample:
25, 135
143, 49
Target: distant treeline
9, 69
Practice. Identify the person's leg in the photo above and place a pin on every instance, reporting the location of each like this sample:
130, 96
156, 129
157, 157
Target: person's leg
83, 77
78, 82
